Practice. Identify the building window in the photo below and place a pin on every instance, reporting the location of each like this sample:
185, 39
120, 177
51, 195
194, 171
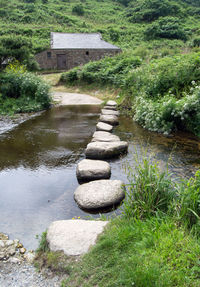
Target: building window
87, 53
48, 54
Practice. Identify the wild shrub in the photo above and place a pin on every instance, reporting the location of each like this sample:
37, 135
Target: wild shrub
149, 190
149, 11
168, 113
170, 74
22, 91
78, 10
196, 42
111, 71
166, 27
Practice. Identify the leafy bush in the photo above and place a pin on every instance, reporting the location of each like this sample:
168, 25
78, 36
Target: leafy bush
170, 74
14, 47
22, 91
169, 114
106, 71
148, 191
150, 10
78, 9
196, 42
166, 27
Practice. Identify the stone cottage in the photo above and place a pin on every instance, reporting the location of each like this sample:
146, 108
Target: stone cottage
69, 50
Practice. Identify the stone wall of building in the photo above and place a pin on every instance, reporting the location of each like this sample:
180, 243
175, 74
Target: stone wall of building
48, 59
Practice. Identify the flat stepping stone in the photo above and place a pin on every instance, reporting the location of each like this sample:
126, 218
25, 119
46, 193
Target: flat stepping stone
114, 108
101, 136
99, 194
104, 127
88, 170
105, 150
74, 237
111, 103
109, 112
109, 119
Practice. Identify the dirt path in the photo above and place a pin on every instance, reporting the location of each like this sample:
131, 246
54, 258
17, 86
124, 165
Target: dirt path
68, 99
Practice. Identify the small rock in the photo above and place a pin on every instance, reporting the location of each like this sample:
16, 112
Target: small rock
16, 242
11, 250
109, 119
110, 108
111, 103
99, 194
9, 242
104, 127
109, 112
105, 150
22, 250
101, 136
14, 260
2, 244
29, 256
3, 236
2, 255
88, 170
20, 245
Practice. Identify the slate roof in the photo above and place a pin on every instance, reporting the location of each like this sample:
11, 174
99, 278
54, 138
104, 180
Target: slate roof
79, 41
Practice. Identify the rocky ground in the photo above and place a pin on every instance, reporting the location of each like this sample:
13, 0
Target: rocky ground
17, 269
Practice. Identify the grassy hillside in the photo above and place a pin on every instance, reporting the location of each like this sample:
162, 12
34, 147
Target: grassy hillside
123, 22
158, 71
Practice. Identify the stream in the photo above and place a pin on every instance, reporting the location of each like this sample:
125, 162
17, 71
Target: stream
38, 161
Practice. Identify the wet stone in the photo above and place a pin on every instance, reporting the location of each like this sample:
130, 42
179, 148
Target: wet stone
111, 103
99, 194
109, 112
109, 119
105, 150
101, 136
110, 108
88, 170
104, 127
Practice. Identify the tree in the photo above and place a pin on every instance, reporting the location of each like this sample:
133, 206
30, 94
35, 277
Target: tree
14, 47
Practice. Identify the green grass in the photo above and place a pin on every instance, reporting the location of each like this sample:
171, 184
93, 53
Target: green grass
151, 253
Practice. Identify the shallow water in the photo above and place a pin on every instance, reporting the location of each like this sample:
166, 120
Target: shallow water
38, 166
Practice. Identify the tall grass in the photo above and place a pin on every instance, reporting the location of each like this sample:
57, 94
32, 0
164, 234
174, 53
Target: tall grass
149, 190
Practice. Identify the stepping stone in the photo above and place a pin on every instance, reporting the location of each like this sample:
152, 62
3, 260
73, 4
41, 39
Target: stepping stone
110, 108
74, 237
101, 136
105, 150
109, 112
99, 194
88, 170
104, 127
109, 119
111, 103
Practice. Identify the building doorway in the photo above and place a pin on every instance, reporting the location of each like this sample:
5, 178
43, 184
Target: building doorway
61, 62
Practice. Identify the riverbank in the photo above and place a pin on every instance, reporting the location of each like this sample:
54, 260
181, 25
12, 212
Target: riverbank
152, 243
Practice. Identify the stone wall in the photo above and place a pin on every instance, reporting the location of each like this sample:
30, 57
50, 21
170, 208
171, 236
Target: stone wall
48, 59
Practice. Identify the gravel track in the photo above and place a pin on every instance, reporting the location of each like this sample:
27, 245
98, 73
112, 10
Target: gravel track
25, 275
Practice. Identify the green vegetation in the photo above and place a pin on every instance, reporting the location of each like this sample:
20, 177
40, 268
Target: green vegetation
154, 242
22, 91
151, 33
147, 253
